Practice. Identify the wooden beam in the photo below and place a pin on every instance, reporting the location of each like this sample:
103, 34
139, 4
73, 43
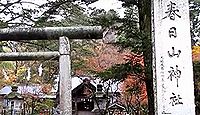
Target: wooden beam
27, 56
51, 33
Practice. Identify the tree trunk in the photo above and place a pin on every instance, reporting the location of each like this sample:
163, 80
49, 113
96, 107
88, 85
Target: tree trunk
144, 7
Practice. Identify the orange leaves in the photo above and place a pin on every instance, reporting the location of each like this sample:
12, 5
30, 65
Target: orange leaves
46, 88
133, 91
11, 77
79, 72
196, 53
134, 58
133, 87
106, 56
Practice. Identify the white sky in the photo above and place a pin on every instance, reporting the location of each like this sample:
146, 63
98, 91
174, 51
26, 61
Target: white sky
109, 4
101, 4
104, 4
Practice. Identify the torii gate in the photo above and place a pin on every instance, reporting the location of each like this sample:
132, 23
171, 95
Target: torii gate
52, 33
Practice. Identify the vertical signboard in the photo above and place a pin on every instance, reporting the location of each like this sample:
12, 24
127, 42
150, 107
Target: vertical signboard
173, 61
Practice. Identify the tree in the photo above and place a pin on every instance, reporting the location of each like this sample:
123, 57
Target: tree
194, 22
135, 33
40, 14
106, 55
133, 95
196, 68
43, 15
194, 13
138, 38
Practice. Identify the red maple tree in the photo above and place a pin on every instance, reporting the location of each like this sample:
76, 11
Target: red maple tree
133, 89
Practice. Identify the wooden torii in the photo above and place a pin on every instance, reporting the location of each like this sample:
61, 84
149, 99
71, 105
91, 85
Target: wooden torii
52, 33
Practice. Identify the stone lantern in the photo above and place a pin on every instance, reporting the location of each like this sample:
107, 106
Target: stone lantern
14, 101
99, 100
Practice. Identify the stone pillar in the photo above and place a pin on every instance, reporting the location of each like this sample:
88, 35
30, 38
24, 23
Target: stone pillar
173, 73
65, 96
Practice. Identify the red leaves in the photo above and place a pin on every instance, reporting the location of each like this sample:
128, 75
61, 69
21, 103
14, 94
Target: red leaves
133, 91
196, 53
106, 56
133, 87
46, 88
134, 58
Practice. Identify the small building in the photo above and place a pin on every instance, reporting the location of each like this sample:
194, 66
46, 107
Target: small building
82, 100
89, 98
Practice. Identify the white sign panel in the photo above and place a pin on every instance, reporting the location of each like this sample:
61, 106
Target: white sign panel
173, 60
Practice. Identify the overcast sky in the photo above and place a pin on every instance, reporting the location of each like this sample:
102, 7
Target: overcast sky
109, 4
100, 4
104, 4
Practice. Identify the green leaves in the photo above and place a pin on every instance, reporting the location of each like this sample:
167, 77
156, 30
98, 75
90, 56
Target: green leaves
119, 72
103, 18
194, 17
128, 3
7, 65
129, 34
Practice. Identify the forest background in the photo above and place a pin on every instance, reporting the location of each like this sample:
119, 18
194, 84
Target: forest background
124, 55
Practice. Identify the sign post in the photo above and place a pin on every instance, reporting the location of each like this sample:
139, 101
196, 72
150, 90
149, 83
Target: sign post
173, 73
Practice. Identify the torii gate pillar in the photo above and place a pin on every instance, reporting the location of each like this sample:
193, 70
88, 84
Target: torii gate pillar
52, 33
65, 77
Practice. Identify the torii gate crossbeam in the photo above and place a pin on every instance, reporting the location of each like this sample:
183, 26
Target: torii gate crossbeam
51, 33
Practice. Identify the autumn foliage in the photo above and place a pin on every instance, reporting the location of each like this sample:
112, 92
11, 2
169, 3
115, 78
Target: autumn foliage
133, 89
196, 53
46, 88
105, 56
11, 77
